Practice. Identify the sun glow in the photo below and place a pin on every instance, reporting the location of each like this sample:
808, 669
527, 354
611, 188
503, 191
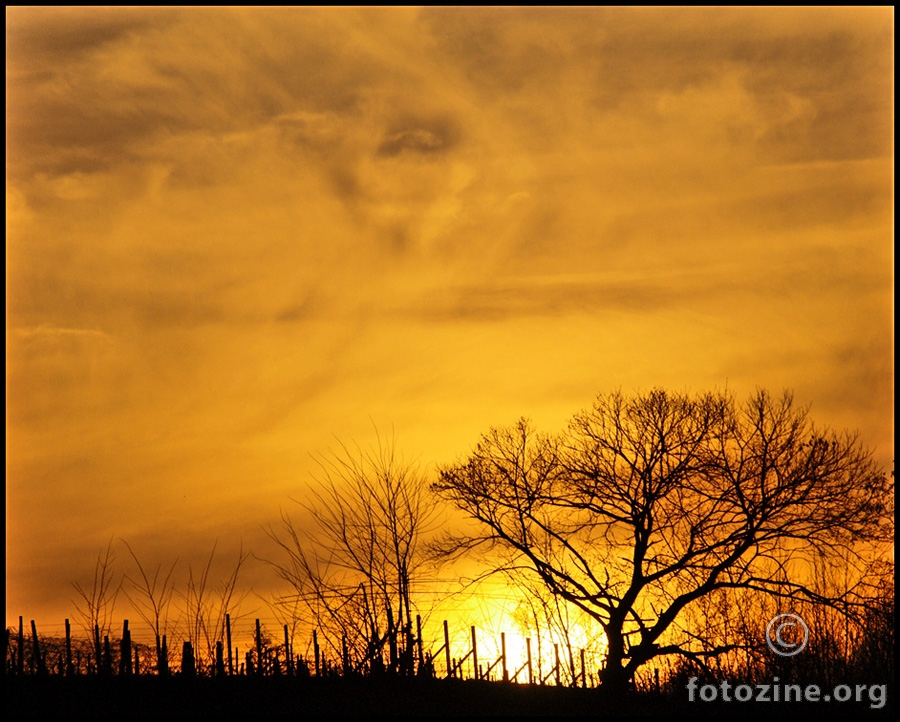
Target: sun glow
524, 624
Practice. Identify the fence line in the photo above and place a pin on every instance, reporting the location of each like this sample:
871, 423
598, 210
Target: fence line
398, 652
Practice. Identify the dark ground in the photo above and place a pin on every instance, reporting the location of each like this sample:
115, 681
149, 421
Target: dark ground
204, 698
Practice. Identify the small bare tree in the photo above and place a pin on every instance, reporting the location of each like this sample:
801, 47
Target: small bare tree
354, 568
152, 600
207, 606
98, 601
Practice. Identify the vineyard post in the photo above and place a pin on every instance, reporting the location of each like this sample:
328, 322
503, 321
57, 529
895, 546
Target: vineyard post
107, 656
37, 663
316, 652
69, 669
419, 643
392, 638
447, 649
530, 669
20, 649
220, 660
228, 638
188, 665
259, 650
98, 650
288, 654
125, 651
162, 662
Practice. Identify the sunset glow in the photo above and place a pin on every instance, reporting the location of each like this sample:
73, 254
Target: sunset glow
239, 238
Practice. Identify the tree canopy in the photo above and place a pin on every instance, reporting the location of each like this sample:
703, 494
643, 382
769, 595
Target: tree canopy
646, 505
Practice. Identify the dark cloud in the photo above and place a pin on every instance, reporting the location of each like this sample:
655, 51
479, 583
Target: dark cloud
40, 39
425, 137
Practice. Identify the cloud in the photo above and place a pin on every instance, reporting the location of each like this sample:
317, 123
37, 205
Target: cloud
233, 233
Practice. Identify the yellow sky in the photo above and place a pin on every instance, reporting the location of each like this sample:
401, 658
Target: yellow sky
237, 235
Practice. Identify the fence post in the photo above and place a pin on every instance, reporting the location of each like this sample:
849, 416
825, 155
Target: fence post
583, 677
530, 669
125, 651
220, 659
20, 649
163, 661
419, 642
228, 638
288, 656
447, 649
98, 650
37, 664
556, 652
503, 655
392, 638
188, 664
69, 669
316, 651
259, 650
474, 653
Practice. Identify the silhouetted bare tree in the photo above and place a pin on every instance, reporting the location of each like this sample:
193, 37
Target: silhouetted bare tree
208, 606
98, 601
152, 600
647, 505
353, 568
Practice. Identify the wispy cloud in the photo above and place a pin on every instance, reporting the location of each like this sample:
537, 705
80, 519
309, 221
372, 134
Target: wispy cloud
235, 233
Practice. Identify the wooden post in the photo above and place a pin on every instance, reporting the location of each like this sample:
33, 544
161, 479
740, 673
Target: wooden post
419, 642
447, 649
98, 650
556, 651
20, 649
316, 652
392, 638
137, 660
107, 656
530, 669
37, 662
220, 659
69, 669
163, 662
125, 651
583, 677
503, 655
188, 663
228, 639
288, 657
474, 653
259, 650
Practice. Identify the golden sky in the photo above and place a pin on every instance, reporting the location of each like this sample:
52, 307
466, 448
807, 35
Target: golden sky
235, 236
